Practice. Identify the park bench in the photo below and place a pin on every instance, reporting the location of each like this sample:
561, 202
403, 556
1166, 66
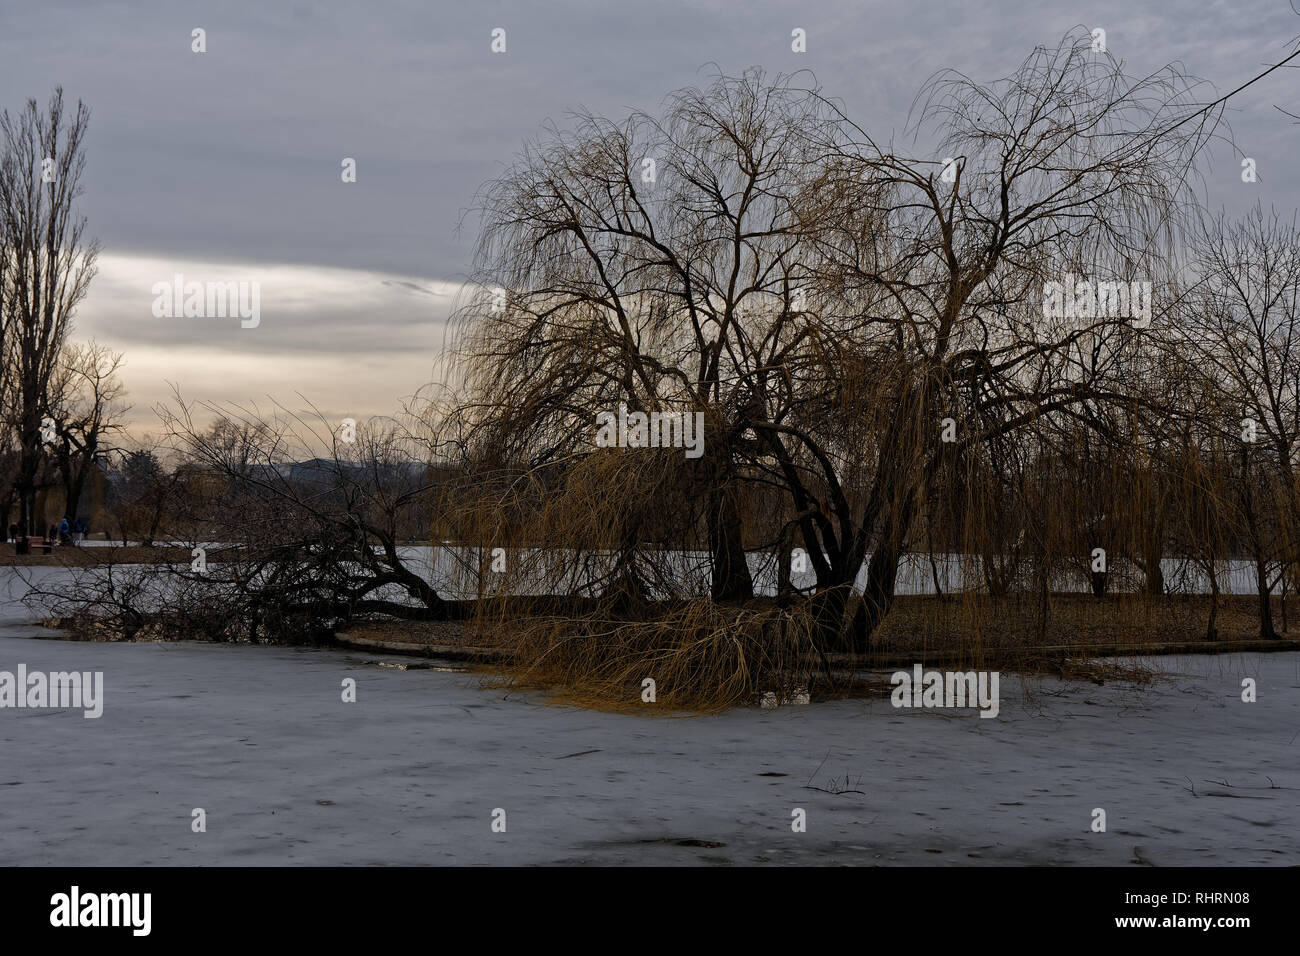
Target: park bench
32, 546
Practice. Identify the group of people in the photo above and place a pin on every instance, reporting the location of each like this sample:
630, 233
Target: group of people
60, 533
64, 533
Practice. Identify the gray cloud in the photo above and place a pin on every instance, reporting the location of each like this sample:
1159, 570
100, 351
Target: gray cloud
234, 155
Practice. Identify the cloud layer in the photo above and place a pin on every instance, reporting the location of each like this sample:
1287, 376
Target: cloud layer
227, 163
350, 341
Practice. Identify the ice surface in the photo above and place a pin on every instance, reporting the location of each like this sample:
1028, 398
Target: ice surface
410, 774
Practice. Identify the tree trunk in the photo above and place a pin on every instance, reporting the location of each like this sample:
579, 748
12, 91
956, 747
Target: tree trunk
1152, 552
784, 556
1155, 576
882, 572
1211, 634
829, 607
877, 593
1100, 580
74, 484
1266, 631
731, 578
1285, 628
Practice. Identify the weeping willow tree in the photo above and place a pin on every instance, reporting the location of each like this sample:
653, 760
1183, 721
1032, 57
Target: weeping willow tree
849, 321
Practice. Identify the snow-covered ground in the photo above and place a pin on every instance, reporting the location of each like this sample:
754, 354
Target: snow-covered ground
411, 772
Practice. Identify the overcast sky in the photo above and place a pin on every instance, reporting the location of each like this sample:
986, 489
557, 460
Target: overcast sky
225, 166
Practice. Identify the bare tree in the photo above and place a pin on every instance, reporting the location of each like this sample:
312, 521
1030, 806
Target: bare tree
48, 265
85, 404
1241, 326
312, 537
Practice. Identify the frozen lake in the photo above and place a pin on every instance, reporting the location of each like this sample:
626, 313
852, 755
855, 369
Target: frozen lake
412, 771
455, 572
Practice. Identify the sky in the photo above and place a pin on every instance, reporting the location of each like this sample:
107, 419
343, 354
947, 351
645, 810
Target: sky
225, 166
